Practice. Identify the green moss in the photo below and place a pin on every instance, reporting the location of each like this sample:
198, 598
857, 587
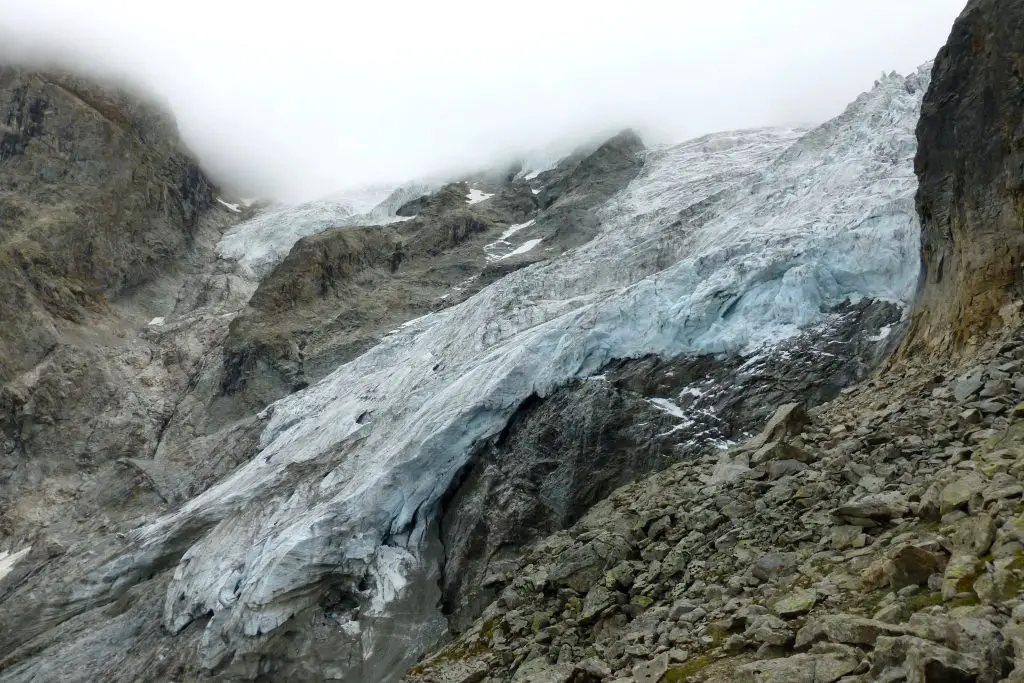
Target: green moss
642, 601
966, 601
923, 601
489, 626
681, 674
455, 652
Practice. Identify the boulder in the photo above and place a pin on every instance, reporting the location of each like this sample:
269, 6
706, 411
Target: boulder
921, 661
848, 629
803, 668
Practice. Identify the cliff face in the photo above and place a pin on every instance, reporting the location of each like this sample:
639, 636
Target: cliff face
96, 195
970, 164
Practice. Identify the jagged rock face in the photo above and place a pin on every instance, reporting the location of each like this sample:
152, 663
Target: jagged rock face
339, 292
105, 218
113, 299
971, 169
95, 197
560, 455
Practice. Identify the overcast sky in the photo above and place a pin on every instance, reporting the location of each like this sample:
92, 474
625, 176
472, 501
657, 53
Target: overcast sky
300, 98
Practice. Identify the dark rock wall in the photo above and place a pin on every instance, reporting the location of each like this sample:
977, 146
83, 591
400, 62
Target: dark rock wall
970, 164
96, 195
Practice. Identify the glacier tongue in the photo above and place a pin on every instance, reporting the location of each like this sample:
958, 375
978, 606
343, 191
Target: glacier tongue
723, 242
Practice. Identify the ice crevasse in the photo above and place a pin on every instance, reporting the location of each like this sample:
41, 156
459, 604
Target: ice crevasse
722, 243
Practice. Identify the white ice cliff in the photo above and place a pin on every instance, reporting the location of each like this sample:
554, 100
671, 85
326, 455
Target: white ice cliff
721, 243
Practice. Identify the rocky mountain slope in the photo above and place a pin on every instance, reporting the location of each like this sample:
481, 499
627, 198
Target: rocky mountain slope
96, 197
505, 420
875, 539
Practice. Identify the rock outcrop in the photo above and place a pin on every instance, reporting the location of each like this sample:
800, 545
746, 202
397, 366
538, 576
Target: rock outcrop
96, 197
340, 292
970, 164
111, 301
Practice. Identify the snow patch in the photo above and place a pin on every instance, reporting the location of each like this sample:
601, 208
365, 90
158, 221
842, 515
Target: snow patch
494, 249
664, 405
882, 334
522, 248
157, 322
476, 196
7, 560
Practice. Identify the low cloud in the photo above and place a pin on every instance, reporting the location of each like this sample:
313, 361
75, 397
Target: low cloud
299, 99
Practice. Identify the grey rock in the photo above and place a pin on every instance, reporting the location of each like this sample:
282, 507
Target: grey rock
921, 661
788, 421
958, 493
803, 668
783, 468
869, 509
598, 598
652, 671
975, 534
992, 407
995, 387
968, 385
591, 670
540, 671
796, 603
848, 629
971, 416
771, 565
769, 629
849, 536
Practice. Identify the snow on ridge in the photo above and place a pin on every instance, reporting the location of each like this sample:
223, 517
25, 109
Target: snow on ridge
667, 406
495, 249
229, 206
264, 240
724, 243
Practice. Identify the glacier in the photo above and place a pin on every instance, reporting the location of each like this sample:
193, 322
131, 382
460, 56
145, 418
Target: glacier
724, 243
261, 242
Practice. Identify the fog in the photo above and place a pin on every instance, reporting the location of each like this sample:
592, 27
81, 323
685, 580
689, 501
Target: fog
302, 98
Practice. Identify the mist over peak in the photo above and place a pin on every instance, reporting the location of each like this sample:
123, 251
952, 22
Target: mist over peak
299, 100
